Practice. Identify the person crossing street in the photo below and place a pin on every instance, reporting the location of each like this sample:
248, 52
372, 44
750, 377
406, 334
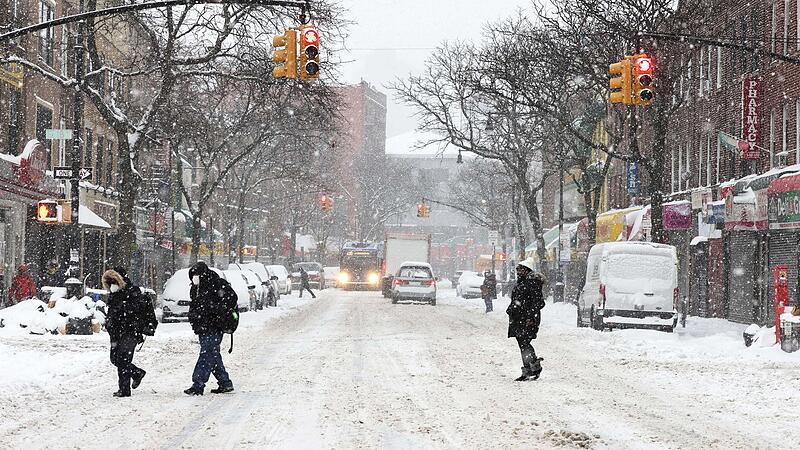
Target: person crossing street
304, 283
524, 317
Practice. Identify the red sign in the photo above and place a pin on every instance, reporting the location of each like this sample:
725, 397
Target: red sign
780, 295
32, 163
751, 118
310, 35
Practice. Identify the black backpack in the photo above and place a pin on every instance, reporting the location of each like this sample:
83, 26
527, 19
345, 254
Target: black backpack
146, 322
230, 317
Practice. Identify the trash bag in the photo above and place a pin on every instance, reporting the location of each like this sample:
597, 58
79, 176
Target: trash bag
81, 325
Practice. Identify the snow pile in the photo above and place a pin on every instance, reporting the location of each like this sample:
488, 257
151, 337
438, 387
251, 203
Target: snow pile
34, 316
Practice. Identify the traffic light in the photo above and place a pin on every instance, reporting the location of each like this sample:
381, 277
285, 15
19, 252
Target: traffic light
47, 211
326, 203
620, 82
642, 80
423, 210
309, 53
286, 55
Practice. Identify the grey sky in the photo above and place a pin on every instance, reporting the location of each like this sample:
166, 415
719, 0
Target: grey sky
385, 29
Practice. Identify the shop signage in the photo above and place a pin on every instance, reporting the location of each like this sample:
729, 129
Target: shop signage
784, 210
751, 118
632, 180
747, 214
677, 216
701, 197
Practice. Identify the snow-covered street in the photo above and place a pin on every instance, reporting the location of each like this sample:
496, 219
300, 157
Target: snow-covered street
351, 370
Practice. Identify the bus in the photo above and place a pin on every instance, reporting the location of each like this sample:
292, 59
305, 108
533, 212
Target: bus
360, 265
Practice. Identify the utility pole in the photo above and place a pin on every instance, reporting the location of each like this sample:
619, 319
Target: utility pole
558, 292
77, 141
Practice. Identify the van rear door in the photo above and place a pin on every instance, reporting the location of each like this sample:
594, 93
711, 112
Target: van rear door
640, 282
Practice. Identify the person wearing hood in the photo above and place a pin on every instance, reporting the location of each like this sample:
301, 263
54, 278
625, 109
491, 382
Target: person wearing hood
52, 275
123, 324
209, 296
489, 290
22, 286
524, 316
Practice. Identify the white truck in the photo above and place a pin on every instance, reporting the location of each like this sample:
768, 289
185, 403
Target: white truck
401, 247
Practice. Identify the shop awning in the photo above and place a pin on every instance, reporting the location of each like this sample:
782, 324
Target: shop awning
677, 215
784, 199
611, 224
88, 218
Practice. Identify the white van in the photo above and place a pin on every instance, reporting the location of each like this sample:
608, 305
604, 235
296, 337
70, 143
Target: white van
630, 285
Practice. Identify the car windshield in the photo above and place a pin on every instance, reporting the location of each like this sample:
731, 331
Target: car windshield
415, 272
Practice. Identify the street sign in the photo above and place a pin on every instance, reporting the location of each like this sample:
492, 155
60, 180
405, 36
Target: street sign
62, 173
85, 173
564, 250
632, 181
494, 238
59, 135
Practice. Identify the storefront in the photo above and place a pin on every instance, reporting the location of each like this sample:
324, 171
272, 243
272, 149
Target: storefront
612, 226
98, 218
784, 232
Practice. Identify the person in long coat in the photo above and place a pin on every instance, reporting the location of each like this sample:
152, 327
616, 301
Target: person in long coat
524, 316
124, 326
489, 290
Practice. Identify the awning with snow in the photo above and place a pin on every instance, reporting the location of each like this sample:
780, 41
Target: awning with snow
611, 224
88, 218
784, 202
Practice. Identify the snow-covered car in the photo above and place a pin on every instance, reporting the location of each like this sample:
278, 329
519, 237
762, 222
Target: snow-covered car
414, 281
284, 283
316, 274
261, 289
175, 298
266, 279
245, 295
630, 285
469, 284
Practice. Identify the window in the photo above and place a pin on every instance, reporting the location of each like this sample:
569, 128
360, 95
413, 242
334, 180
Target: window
98, 162
700, 161
708, 159
110, 164
88, 154
772, 138
719, 148
46, 35
14, 120
797, 129
679, 177
774, 29
786, 20
688, 165
701, 75
785, 132
710, 69
672, 171
64, 52
719, 67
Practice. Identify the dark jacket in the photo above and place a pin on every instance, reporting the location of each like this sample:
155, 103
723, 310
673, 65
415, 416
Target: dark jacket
524, 311
210, 301
124, 307
304, 277
489, 287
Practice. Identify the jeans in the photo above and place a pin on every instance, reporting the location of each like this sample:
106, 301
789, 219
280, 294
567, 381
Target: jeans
210, 361
526, 351
489, 305
122, 351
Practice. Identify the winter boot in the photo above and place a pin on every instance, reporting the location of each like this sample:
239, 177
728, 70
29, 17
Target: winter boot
121, 394
136, 380
193, 391
525, 374
535, 368
222, 389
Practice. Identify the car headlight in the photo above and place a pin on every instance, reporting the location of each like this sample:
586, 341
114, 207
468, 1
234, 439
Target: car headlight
343, 277
373, 278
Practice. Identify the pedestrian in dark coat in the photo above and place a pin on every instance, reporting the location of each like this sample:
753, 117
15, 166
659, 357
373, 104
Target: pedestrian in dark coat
489, 290
304, 284
125, 327
524, 316
210, 297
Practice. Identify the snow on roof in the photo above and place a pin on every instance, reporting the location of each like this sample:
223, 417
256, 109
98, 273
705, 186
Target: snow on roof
10, 158
88, 217
697, 240
633, 247
415, 263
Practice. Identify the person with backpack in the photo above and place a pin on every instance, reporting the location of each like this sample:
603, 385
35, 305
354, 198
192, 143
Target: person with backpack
525, 315
130, 317
212, 312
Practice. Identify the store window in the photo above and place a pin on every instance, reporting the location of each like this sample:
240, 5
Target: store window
88, 152
14, 120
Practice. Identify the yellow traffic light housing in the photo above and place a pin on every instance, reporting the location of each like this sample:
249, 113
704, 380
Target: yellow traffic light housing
286, 55
47, 211
309, 53
643, 94
621, 83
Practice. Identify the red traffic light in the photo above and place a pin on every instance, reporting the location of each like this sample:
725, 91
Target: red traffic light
323, 199
644, 65
310, 35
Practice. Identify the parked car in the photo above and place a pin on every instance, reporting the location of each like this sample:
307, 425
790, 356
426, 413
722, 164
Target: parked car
246, 295
175, 298
469, 284
414, 281
262, 289
283, 281
630, 285
267, 281
316, 274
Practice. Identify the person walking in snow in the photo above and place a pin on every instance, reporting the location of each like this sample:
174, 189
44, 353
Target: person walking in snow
52, 275
489, 290
210, 296
304, 284
22, 286
125, 324
524, 316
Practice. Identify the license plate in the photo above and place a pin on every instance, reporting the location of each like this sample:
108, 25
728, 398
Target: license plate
415, 283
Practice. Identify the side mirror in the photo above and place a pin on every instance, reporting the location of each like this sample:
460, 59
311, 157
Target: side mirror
273, 278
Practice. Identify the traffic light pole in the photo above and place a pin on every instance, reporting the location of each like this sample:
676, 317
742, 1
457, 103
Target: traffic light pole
73, 247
